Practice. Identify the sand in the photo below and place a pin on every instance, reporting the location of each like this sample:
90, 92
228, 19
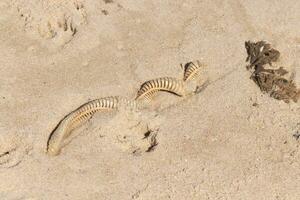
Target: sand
230, 141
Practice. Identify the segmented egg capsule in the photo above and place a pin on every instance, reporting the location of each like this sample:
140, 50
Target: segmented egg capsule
152, 87
191, 70
130, 105
87, 110
76, 119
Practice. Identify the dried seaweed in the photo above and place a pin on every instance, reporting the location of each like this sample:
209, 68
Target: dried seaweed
271, 81
260, 53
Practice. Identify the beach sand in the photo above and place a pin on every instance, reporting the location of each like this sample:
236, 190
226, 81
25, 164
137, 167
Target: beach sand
230, 141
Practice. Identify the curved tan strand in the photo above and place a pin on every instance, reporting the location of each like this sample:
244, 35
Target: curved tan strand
168, 84
81, 115
191, 70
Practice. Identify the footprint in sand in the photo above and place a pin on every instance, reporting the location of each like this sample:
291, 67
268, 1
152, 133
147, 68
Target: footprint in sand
54, 21
12, 151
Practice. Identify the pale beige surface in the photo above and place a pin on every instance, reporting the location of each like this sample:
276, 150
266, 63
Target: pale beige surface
216, 145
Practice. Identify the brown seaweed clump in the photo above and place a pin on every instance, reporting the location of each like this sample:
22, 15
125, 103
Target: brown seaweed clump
260, 53
270, 81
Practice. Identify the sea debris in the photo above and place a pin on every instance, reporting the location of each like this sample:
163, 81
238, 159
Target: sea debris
149, 88
191, 70
80, 116
270, 81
